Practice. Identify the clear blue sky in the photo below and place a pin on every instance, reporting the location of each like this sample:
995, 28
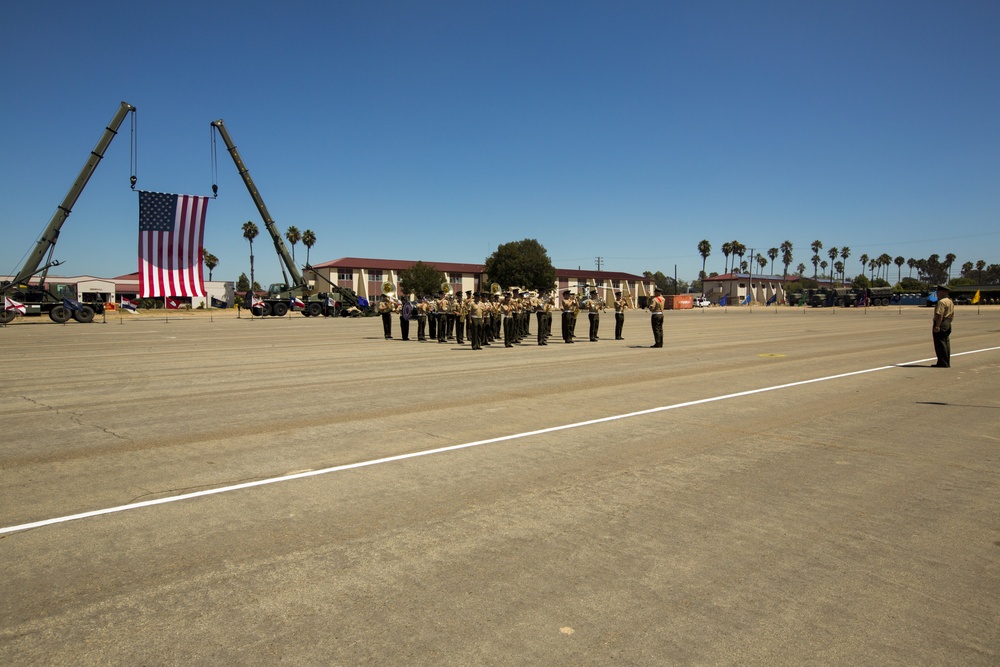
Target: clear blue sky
439, 130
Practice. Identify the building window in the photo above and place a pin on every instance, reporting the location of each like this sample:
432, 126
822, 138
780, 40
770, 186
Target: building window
455, 278
345, 274
375, 276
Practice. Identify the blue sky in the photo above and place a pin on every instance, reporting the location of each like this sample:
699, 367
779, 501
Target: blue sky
439, 130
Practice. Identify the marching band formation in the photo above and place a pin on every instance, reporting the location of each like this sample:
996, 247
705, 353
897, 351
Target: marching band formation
485, 318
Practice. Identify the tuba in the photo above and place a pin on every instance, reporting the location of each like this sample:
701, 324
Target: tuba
388, 287
446, 287
495, 288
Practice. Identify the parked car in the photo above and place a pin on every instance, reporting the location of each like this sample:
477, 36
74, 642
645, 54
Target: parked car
701, 302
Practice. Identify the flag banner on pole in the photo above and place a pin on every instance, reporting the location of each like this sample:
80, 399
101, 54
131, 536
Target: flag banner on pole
171, 233
127, 304
71, 305
171, 304
296, 302
724, 300
773, 299
11, 305
976, 298
745, 301
219, 303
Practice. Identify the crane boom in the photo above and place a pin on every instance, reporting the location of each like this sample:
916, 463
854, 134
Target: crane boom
269, 224
49, 237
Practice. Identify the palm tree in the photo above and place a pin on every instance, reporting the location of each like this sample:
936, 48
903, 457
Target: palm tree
773, 254
980, 265
801, 268
308, 240
845, 252
727, 248
211, 261
967, 270
816, 246
838, 267
740, 249
872, 263
294, 236
885, 260
864, 262
786, 255
823, 266
899, 261
704, 249
911, 263
949, 259
833, 253
762, 262
250, 232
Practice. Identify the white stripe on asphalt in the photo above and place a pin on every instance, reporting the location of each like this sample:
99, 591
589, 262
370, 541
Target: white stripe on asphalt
451, 448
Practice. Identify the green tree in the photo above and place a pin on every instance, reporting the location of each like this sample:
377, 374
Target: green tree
211, 261
786, 256
420, 280
727, 249
704, 249
523, 263
308, 240
294, 236
250, 232
243, 284
816, 246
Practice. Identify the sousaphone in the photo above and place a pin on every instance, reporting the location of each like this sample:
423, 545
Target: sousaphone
388, 287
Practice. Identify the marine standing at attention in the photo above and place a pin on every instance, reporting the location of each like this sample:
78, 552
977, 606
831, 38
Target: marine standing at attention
621, 303
656, 318
944, 313
594, 306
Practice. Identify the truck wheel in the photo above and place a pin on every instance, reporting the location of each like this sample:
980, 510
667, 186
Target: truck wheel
279, 309
59, 314
314, 309
85, 315
6, 317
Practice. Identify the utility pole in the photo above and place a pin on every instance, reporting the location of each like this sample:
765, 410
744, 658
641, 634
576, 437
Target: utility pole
599, 261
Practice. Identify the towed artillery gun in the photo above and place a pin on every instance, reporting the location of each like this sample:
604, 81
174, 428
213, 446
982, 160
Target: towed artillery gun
36, 296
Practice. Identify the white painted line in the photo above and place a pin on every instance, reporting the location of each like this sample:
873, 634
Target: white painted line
452, 448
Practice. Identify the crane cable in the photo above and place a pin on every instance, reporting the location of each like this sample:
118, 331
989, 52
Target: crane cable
133, 156
215, 163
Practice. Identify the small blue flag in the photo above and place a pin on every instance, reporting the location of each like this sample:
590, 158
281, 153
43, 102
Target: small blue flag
724, 299
71, 305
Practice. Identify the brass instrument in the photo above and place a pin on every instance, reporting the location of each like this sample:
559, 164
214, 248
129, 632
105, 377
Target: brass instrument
388, 287
446, 287
495, 288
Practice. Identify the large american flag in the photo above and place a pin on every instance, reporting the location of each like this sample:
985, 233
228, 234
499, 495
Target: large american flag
171, 232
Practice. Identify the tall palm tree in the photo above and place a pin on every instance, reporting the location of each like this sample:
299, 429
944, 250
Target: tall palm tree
899, 261
801, 268
816, 246
308, 240
833, 253
872, 263
211, 261
740, 249
250, 232
786, 255
911, 263
727, 248
845, 252
773, 254
949, 259
864, 262
980, 265
294, 236
761, 262
838, 267
704, 249
885, 261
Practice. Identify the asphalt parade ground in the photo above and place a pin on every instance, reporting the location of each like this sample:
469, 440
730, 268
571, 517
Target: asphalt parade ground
781, 487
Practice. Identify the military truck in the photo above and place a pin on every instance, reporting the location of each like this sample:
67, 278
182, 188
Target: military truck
842, 297
874, 296
34, 294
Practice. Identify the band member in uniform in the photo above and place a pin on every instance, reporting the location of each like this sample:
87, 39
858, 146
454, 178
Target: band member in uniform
444, 311
568, 304
594, 306
621, 304
476, 322
432, 315
405, 313
385, 310
509, 313
461, 313
547, 305
540, 312
423, 308
656, 318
